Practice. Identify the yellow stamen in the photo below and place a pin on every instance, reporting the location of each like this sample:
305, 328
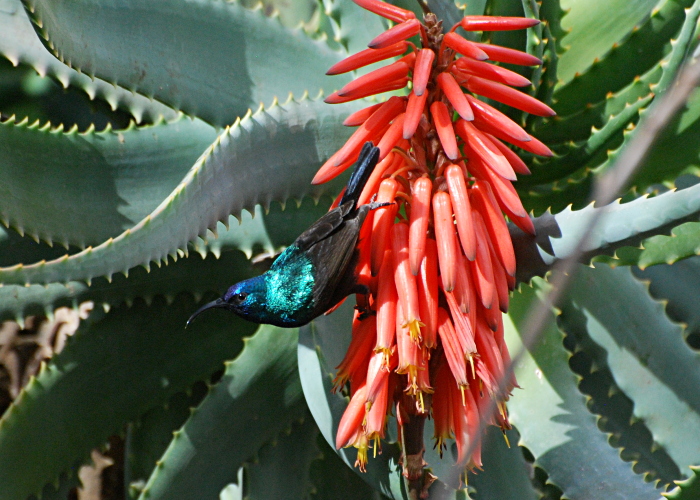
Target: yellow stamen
470, 356
414, 327
505, 436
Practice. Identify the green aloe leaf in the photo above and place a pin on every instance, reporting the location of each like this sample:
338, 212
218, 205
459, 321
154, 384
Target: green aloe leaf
258, 396
334, 480
290, 457
105, 182
679, 286
222, 58
149, 435
646, 354
116, 367
621, 225
198, 274
230, 176
349, 25
688, 489
20, 44
505, 474
554, 423
683, 242
670, 66
594, 27
676, 150
618, 60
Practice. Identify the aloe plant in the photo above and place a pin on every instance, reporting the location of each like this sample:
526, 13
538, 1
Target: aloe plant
202, 170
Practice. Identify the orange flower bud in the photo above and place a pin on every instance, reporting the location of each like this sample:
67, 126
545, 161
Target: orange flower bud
377, 78
455, 95
351, 422
485, 114
496, 23
400, 32
445, 237
364, 336
428, 293
386, 10
464, 47
406, 286
498, 74
359, 117
452, 348
443, 125
457, 187
510, 56
422, 70
496, 226
482, 269
414, 111
383, 220
386, 308
366, 57
509, 96
418, 222
479, 145
515, 161
392, 136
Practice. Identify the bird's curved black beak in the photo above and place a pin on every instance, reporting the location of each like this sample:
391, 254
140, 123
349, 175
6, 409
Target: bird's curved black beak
218, 303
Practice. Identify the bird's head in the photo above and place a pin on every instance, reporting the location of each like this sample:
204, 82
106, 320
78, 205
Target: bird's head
246, 298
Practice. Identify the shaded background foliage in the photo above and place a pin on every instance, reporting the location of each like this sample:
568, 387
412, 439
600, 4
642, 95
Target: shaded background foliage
132, 164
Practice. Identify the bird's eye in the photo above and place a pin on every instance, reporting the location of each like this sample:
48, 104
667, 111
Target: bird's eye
240, 297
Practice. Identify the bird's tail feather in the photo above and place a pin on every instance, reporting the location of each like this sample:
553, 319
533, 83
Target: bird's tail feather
369, 156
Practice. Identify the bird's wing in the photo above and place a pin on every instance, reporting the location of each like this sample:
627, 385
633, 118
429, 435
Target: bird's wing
333, 257
323, 227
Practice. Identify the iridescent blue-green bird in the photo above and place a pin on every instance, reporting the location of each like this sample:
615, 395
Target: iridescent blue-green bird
315, 272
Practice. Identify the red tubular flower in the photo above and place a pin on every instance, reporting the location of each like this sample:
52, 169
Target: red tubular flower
438, 261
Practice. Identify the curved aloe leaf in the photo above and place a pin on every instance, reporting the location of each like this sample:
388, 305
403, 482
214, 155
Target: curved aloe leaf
670, 65
627, 433
232, 175
505, 475
330, 476
217, 82
621, 225
679, 286
349, 25
620, 64
683, 242
20, 44
688, 489
594, 27
555, 424
258, 396
290, 456
15, 248
196, 274
116, 367
646, 354
676, 150
104, 182
150, 434
193, 275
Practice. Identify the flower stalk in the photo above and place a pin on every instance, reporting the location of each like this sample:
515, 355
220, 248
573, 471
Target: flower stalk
438, 261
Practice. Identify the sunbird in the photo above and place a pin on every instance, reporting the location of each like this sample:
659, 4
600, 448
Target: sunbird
314, 273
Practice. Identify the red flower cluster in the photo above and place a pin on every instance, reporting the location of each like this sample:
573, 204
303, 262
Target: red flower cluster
439, 261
